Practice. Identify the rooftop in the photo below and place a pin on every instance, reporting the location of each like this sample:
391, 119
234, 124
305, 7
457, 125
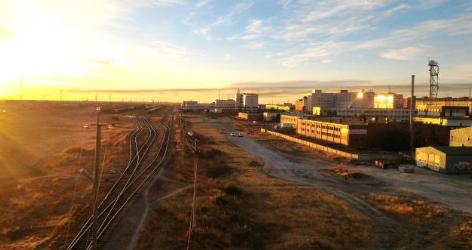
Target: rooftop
454, 150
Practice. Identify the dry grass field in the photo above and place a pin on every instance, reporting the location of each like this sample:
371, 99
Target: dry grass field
42, 197
240, 207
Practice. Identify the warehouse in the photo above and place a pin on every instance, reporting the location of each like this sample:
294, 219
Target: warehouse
250, 116
448, 160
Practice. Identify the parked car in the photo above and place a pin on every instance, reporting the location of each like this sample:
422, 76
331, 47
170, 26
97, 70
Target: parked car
233, 133
406, 169
240, 135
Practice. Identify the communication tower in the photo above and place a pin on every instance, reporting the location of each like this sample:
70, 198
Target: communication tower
433, 79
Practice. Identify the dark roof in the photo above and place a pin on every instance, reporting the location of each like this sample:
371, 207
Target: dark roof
454, 150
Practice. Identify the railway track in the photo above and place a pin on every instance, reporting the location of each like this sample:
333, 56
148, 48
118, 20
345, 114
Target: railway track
142, 165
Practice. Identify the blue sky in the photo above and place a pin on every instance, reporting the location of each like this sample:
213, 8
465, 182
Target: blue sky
172, 44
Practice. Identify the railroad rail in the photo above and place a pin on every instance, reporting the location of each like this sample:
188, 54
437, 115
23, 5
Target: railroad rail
140, 168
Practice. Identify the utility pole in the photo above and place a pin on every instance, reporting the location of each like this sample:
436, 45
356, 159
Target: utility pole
412, 110
21, 90
96, 182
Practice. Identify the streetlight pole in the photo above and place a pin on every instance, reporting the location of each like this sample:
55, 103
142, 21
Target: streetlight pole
96, 181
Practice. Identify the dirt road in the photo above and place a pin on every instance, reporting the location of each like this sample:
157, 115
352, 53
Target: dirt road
449, 190
276, 165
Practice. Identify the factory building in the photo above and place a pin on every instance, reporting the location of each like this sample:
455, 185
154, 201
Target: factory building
448, 160
461, 137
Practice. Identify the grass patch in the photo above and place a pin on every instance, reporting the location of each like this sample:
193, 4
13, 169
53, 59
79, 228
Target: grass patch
407, 208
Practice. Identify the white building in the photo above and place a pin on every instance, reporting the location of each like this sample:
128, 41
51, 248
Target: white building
195, 106
248, 102
340, 99
222, 106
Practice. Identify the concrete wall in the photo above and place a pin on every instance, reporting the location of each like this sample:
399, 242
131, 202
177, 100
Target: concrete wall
461, 137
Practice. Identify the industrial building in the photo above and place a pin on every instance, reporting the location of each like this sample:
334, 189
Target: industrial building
461, 137
250, 116
449, 160
291, 119
356, 133
368, 114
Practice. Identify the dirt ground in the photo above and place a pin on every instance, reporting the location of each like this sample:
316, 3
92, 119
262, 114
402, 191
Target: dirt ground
260, 192
241, 207
43, 199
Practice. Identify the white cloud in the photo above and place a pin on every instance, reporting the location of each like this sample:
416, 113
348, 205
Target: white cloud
403, 54
203, 3
228, 18
395, 9
228, 57
314, 52
169, 50
254, 45
432, 3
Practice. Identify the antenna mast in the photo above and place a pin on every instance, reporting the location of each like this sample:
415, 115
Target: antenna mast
433, 80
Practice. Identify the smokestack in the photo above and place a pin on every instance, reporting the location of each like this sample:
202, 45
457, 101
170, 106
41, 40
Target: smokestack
412, 110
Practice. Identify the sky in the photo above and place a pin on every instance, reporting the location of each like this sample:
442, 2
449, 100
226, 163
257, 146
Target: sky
181, 49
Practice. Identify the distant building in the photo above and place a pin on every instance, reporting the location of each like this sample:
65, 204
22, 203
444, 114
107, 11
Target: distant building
250, 116
461, 137
195, 106
388, 101
291, 119
370, 114
300, 105
248, 102
448, 160
445, 121
225, 106
356, 133
446, 101
340, 99
271, 117
279, 107
443, 111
